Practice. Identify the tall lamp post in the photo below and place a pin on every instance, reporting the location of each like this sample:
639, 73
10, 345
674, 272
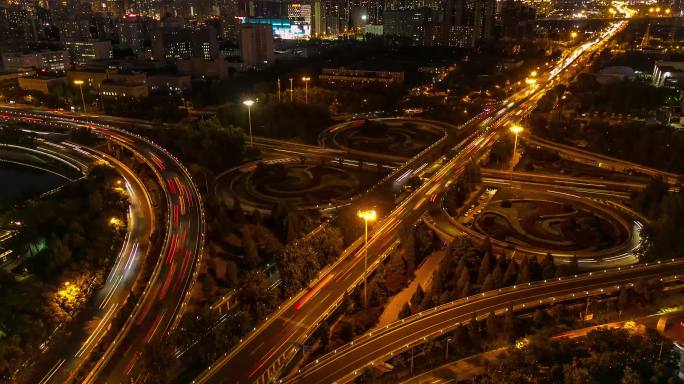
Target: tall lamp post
306, 79
291, 89
515, 129
368, 215
80, 86
248, 104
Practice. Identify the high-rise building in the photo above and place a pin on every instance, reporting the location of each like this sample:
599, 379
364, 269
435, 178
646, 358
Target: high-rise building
131, 33
17, 23
413, 26
84, 51
467, 22
517, 20
483, 19
318, 18
300, 16
256, 44
170, 42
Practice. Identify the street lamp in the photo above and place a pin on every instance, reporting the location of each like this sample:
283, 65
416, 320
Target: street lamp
80, 85
516, 129
291, 89
367, 215
249, 104
573, 35
306, 79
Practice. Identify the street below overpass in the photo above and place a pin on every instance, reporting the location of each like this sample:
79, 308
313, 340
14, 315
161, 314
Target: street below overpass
373, 348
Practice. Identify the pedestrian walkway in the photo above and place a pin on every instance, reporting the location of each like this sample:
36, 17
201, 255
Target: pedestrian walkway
423, 276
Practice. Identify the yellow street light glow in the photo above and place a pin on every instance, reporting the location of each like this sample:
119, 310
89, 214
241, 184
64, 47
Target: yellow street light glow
248, 103
516, 129
306, 78
368, 215
78, 82
533, 74
667, 11
573, 34
529, 81
115, 221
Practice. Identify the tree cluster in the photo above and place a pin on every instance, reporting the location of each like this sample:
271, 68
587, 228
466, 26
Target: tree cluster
65, 236
282, 120
467, 269
207, 143
458, 192
603, 356
300, 261
666, 211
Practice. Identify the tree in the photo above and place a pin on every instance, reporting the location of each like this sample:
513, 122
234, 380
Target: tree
347, 330
511, 274
548, 267
231, 274
485, 268
461, 339
209, 286
467, 290
474, 332
237, 213
557, 312
509, 323
487, 285
497, 277
538, 318
159, 361
292, 225
463, 279
630, 376
256, 217
409, 248
486, 247
623, 299
405, 311
524, 272
323, 333
418, 296
491, 326
250, 248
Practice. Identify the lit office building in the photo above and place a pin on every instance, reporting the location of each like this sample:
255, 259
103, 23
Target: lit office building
83, 51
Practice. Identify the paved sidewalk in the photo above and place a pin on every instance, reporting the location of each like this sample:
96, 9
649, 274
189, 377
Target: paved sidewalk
423, 277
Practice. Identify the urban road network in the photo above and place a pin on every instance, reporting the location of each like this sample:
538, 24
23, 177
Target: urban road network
262, 354
166, 294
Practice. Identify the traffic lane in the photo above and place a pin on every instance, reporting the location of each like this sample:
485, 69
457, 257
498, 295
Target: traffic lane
274, 340
482, 141
189, 218
58, 363
157, 309
364, 351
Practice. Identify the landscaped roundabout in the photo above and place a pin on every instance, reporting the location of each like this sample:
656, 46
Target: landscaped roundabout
395, 139
535, 222
303, 185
